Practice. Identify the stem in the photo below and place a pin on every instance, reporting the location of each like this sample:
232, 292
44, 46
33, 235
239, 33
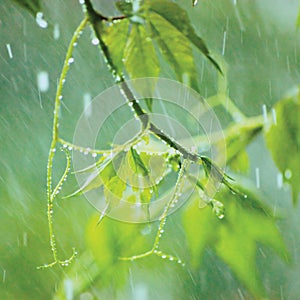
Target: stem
96, 23
51, 195
163, 219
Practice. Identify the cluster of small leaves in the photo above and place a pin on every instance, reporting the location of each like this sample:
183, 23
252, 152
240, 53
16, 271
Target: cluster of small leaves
155, 24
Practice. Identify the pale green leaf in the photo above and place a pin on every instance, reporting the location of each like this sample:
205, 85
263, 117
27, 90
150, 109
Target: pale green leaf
176, 49
115, 37
283, 140
240, 162
139, 55
178, 18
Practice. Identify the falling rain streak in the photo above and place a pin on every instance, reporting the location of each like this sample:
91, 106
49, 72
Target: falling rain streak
274, 117
4, 276
87, 104
224, 42
257, 177
279, 180
265, 113
56, 32
8, 47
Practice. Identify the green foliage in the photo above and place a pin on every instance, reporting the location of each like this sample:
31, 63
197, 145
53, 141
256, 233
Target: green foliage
132, 45
109, 241
140, 58
168, 39
283, 140
115, 35
234, 238
178, 18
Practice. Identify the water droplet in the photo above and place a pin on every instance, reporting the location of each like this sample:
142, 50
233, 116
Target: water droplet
40, 20
95, 41
70, 148
8, 47
94, 154
43, 81
221, 216
70, 60
53, 150
288, 174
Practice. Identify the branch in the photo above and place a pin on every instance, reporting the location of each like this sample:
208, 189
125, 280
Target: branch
95, 20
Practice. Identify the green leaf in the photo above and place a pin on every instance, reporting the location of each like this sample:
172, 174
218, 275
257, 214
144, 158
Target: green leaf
283, 140
234, 238
139, 55
298, 19
111, 240
138, 163
33, 6
178, 18
176, 49
240, 163
100, 175
125, 7
115, 37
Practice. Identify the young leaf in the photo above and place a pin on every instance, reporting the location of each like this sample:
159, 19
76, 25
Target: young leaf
235, 238
139, 55
138, 163
101, 175
283, 140
115, 37
178, 18
176, 49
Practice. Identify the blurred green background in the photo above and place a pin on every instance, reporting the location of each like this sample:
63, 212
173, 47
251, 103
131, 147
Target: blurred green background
262, 51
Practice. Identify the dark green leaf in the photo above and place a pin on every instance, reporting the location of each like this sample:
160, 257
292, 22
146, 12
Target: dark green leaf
283, 140
176, 49
33, 6
140, 57
178, 18
234, 239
